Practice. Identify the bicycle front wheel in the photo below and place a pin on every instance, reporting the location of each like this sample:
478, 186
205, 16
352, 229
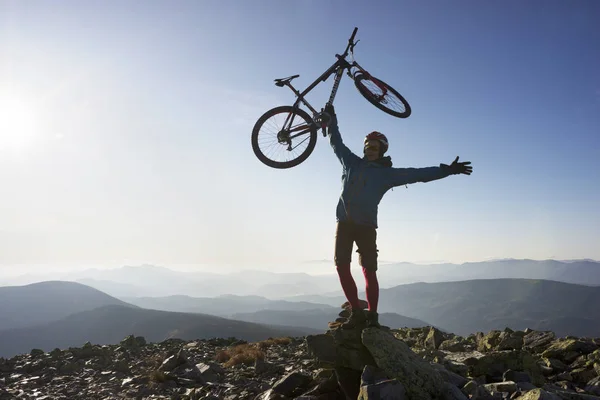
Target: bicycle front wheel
284, 137
382, 95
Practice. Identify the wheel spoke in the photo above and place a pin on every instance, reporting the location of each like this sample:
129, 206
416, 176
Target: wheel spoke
284, 149
388, 99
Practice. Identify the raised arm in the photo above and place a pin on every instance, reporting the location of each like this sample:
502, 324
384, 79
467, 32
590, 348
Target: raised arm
342, 152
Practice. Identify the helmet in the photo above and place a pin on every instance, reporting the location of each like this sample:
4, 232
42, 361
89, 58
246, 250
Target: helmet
379, 137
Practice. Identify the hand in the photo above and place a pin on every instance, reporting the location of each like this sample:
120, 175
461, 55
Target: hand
329, 109
330, 118
458, 167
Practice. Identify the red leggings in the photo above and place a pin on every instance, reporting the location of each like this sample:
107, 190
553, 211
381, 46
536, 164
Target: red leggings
351, 291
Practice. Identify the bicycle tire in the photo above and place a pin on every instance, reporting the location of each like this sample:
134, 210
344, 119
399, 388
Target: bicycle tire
370, 96
296, 161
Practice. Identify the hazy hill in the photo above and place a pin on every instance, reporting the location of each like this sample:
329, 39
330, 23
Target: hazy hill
38, 303
225, 305
585, 272
263, 310
318, 318
110, 324
153, 281
486, 304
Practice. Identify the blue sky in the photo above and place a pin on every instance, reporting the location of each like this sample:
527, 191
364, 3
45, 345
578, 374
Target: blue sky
127, 135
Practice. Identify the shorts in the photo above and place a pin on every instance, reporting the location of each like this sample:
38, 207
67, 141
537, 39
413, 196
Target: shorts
366, 241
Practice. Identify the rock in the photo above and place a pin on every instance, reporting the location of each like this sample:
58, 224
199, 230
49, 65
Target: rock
133, 341
211, 372
536, 341
337, 365
271, 395
434, 338
322, 347
489, 341
546, 370
456, 367
327, 388
420, 380
452, 392
569, 349
292, 383
510, 341
516, 376
174, 361
525, 386
593, 386
372, 374
580, 362
261, 366
494, 364
349, 381
555, 364
450, 377
383, 390
539, 394
37, 352
583, 375
594, 356
350, 351
508, 387
454, 345
470, 388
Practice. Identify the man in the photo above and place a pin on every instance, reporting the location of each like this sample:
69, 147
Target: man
364, 182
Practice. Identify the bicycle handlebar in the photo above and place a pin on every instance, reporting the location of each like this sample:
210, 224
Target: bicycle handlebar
353, 34
350, 41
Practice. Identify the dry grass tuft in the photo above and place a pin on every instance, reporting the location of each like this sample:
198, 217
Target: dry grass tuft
157, 376
265, 344
248, 353
241, 354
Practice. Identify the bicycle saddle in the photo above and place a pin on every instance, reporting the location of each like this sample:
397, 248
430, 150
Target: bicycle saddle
283, 81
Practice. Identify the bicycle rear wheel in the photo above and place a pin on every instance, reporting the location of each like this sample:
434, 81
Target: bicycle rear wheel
284, 130
382, 95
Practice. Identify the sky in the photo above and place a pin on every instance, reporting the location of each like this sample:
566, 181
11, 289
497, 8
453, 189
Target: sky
125, 130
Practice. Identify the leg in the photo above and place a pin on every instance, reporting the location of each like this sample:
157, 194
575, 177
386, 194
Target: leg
343, 256
371, 288
366, 242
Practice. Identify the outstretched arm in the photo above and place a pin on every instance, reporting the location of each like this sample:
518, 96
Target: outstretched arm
341, 151
404, 176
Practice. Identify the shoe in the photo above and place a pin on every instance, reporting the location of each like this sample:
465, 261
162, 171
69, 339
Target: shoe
372, 319
356, 318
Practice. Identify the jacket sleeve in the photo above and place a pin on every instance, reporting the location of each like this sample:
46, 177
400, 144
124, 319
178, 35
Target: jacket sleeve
342, 152
404, 176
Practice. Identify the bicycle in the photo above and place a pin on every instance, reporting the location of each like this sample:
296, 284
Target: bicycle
378, 95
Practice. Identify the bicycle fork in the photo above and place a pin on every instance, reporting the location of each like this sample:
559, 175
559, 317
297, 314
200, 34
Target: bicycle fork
336, 84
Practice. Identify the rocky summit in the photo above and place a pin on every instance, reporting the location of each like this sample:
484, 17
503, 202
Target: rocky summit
359, 363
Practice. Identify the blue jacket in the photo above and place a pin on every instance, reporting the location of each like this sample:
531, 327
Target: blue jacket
365, 182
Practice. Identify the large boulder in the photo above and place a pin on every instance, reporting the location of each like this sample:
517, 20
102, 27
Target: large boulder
420, 380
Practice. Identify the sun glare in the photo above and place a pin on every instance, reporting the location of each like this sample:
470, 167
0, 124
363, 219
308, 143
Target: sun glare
17, 124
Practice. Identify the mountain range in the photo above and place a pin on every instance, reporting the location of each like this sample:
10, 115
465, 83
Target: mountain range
486, 304
155, 281
64, 313
110, 324
262, 310
53, 314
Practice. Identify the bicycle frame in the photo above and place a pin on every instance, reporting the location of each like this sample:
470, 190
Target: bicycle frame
336, 68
